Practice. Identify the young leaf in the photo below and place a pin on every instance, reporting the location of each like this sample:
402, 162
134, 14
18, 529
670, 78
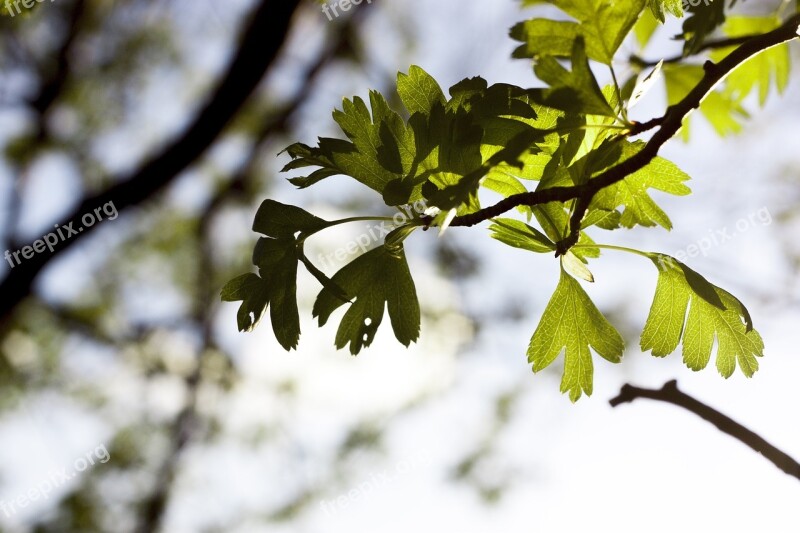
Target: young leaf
644, 84
377, 280
575, 267
572, 324
714, 314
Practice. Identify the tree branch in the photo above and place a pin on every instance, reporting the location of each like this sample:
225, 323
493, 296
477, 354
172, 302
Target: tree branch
670, 123
669, 393
259, 47
708, 45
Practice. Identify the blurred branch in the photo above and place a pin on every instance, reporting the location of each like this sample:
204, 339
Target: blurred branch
669, 393
339, 46
53, 83
187, 421
184, 428
260, 45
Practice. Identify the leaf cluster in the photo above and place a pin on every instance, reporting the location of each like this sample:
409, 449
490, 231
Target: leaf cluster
562, 154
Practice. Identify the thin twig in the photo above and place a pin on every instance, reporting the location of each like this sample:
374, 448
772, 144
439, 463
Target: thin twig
709, 45
669, 393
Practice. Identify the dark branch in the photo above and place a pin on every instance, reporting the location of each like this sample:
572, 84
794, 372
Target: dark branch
53, 85
670, 123
709, 45
259, 47
669, 393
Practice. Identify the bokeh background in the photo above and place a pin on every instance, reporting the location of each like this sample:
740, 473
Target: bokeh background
123, 344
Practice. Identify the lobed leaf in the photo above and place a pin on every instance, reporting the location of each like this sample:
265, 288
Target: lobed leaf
571, 324
714, 315
376, 280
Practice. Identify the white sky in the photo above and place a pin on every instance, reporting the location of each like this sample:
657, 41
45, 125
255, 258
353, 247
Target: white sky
639, 467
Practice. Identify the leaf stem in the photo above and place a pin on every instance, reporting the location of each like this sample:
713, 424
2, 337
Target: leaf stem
620, 107
356, 219
305, 235
613, 247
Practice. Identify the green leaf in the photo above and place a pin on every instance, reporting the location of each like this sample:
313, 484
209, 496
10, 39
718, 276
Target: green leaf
645, 28
544, 37
603, 24
441, 153
714, 315
631, 192
449, 191
254, 294
660, 7
376, 280
576, 91
506, 185
571, 324
277, 263
718, 108
553, 217
520, 235
380, 147
706, 16
576, 267
760, 70
275, 288
419, 91
278, 220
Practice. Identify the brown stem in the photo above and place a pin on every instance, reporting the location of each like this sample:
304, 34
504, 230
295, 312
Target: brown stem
669, 393
708, 45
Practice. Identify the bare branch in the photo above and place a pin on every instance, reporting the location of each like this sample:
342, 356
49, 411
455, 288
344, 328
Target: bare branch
669, 393
259, 47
